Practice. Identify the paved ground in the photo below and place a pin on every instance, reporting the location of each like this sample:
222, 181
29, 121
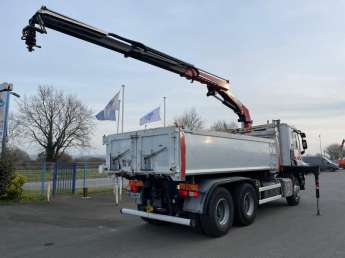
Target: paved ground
93, 228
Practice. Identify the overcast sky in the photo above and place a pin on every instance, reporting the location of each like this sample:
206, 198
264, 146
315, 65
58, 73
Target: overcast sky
285, 59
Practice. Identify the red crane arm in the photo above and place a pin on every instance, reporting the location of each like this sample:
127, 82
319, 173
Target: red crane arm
217, 86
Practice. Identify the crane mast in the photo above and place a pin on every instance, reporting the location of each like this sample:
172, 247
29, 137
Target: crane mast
216, 86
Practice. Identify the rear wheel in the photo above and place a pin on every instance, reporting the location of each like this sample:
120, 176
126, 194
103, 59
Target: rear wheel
246, 203
219, 214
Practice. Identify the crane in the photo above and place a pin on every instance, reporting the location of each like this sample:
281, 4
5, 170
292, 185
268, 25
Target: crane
217, 87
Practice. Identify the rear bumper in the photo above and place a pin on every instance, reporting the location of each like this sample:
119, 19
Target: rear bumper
166, 218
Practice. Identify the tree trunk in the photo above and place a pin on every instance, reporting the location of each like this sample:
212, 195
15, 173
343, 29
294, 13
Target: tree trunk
50, 157
50, 154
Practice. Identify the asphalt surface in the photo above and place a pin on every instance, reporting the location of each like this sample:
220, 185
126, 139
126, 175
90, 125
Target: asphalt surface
72, 227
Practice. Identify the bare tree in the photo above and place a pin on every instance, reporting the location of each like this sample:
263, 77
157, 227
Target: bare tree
190, 119
223, 126
334, 151
55, 121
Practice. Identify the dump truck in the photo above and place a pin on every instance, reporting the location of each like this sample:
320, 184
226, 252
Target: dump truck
208, 179
203, 179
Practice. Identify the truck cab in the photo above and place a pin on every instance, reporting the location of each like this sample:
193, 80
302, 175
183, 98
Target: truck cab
291, 142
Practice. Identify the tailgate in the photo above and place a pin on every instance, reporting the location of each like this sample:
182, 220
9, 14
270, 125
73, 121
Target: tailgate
152, 151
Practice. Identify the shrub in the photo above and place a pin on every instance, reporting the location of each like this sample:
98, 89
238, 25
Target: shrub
10, 184
6, 174
14, 189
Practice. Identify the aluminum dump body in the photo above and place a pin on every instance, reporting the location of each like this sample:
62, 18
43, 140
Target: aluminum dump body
178, 153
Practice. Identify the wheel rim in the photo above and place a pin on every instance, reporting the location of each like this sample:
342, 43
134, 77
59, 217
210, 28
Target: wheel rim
296, 192
222, 211
248, 204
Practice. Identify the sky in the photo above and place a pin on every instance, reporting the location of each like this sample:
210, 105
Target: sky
284, 59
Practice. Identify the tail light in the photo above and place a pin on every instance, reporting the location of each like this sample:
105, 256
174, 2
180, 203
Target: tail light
183, 194
188, 190
135, 185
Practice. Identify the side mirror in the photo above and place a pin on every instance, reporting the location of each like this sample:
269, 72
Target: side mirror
304, 144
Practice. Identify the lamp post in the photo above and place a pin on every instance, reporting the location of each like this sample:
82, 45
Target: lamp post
7, 89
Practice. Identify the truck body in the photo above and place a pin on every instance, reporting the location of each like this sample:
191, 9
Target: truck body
178, 153
173, 172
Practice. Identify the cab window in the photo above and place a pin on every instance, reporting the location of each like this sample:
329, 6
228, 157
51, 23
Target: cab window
295, 141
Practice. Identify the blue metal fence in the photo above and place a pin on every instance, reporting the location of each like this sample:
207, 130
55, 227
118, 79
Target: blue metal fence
64, 178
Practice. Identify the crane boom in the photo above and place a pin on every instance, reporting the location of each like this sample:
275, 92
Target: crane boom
217, 86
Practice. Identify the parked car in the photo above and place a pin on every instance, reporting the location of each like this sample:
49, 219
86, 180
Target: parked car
324, 163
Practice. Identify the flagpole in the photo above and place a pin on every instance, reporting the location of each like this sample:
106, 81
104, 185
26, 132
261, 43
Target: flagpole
123, 106
118, 120
164, 99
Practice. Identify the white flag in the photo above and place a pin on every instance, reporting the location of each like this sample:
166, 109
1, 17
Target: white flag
109, 112
153, 116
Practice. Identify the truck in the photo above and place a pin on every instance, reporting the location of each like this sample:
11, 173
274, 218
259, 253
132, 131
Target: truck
203, 179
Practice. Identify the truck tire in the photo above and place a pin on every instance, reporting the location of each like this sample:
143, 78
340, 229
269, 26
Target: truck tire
294, 199
219, 213
246, 203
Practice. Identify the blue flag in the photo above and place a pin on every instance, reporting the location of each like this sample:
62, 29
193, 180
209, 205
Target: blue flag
109, 112
153, 116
